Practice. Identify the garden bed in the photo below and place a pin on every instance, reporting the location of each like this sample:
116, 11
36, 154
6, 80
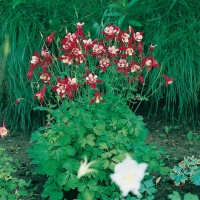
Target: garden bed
175, 141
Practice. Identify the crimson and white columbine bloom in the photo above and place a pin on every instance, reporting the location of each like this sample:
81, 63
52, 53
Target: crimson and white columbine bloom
3, 131
50, 38
45, 77
92, 80
97, 98
125, 37
79, 25
135, 68
35, 60
40, 95
61, 88
84, 168
112, 50
110, 30
76, 51
168, 80
129, 51
98, 49
128, 175
122, 63
87, 41
71, 81
72, 37
104, 63
66, 59
138, 36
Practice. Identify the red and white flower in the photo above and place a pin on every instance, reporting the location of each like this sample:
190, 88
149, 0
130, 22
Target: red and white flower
47, 56
97, 98
134, 67
104, 63
35, 59
129, 51
138, 36
125, 37
87, 42
3, 131
66, 59
50, 38
40, 95
45, 77
150, 62
30, 74
76, 51
73, 83
66, 44
111, 31
167, 80
61, 87
92, 80
122, 63
98, 49
113, 50
79, 31
71, 37
122, 66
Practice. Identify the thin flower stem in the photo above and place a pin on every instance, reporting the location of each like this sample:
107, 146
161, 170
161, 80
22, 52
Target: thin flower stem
155, 90
155, 80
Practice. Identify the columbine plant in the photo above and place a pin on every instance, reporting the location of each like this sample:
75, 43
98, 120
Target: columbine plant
88, 115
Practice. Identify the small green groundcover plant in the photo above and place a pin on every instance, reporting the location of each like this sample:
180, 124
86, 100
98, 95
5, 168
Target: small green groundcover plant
88, 87
188, 196
188, 169
11, 188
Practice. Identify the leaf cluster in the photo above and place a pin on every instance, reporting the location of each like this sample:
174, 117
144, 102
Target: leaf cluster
120, 14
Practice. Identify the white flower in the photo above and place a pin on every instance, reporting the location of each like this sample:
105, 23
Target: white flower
128, 175
84, 168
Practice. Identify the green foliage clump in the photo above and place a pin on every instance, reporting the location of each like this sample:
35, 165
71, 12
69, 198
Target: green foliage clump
120, 14
188, 169
104, 133
10, 186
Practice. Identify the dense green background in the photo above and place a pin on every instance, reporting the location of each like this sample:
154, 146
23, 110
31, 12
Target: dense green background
173, 25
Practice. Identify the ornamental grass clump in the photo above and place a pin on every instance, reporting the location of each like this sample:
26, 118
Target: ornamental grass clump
87, 87
21, 23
